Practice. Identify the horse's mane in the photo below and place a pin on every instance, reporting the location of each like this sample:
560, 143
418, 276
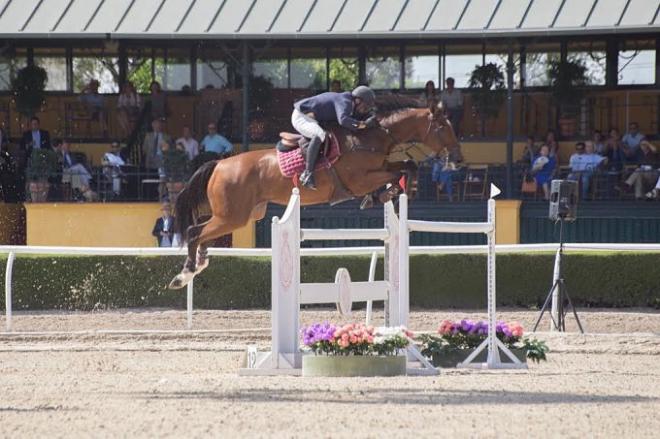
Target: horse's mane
391, 103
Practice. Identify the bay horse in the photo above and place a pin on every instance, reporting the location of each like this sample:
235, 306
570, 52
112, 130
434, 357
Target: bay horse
238, 189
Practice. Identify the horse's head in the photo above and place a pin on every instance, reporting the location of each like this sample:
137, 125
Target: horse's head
438, 133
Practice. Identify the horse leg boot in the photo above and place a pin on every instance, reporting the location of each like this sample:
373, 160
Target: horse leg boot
307, 177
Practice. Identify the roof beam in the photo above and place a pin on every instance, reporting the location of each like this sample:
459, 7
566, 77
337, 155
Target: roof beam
561, 6
277, 15
247, 14
524, 17
123, 17
96, 11
215, 17
57, 23
158, 9
4, 8
334, 22
657, 10
398, 17
458, 22
426, 23
492, 16
309, 12
34, 11
371, 11
591, 11
185, 16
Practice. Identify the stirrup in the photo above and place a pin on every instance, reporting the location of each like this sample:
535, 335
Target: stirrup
367, 202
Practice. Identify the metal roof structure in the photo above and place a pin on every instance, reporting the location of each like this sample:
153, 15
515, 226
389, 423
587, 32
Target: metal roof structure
322, 19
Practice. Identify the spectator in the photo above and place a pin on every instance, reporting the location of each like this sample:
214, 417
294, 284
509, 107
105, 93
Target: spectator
452, 101
34, 138
543, 168
583, 164
73, 173
551, 141
335, 86
615, 155
151, 146
158, 102
631, 141
163, 227
654, 194
112, 163
214, 142
529, 152
129, 105
190, 145
94, 103
429, 94
444, 171
599, 145
646, 174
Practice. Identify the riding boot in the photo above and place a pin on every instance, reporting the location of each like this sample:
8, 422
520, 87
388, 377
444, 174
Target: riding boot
307, 177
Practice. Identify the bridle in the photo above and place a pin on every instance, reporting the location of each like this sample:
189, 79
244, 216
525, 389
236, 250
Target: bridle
433, 122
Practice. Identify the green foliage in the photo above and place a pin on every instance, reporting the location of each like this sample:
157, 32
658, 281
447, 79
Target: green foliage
535, 349
487, 90
566, 81
43, 164
28, 87
437, 281
345, 71
176, 164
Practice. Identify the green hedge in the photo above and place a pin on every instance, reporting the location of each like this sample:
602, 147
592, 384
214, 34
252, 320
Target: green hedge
437, 281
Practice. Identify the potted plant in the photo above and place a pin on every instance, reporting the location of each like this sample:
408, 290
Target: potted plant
566, 81
354, 350
43, 166
488, 92
28, 88
176, 167
458, 339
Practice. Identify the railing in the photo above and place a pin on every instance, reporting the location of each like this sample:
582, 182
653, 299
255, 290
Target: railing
12, 251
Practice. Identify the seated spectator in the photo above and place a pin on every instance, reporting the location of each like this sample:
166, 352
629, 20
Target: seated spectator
631, 141
444, 172
429, 94
615, 156
654, 194
543, 168
600, 147
190, 145
647, 174
151, 151
214, 142
157, 102
129, 105
94, 103
74, 174
529, 152
452, 102
551, 141
112, 163
34, 138
583, 164
335, 86
163, 228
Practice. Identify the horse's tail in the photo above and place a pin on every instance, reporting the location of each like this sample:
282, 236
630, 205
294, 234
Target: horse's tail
191, 198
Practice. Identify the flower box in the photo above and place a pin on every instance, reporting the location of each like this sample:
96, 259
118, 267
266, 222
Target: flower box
353, 365
451, 357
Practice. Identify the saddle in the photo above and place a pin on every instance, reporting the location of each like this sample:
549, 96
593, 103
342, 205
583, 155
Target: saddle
291, 157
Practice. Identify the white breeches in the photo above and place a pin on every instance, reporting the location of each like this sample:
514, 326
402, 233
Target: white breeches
307, 126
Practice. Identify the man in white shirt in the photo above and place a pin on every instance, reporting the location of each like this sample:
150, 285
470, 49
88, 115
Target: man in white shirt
189, 143
583, 164
452, 101
112, 163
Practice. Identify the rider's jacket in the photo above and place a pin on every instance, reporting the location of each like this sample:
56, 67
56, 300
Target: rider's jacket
330, 107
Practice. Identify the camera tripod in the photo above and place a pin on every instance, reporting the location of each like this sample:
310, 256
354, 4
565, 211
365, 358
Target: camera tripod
558, 293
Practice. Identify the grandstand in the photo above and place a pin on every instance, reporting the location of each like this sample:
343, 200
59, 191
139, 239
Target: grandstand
241, 64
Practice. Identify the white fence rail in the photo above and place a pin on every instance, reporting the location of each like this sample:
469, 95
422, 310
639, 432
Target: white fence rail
13, 251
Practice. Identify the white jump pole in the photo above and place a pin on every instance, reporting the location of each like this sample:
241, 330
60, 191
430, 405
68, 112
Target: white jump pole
372, 277
189, 304
8, 278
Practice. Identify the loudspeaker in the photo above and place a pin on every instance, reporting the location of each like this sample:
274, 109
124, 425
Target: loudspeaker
563, 200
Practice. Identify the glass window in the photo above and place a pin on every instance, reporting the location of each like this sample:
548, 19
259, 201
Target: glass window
212, 69
383, 69
637, 62
272, 65
54, 61
499, 56
140, 64
96, 64
344, 67
537, 61
422, 65
460, 61
594, 56
308, 68
172, 69
10, 63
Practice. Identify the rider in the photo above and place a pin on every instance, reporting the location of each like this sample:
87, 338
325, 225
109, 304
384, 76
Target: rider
352, 110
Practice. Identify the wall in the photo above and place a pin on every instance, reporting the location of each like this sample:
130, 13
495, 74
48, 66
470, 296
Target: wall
12, 224
101, 225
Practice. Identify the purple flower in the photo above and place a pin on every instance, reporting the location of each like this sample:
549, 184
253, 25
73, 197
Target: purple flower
318, 332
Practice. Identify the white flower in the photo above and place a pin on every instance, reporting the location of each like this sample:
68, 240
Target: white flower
391, 331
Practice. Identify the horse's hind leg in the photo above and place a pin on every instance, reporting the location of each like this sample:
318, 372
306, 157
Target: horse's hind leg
191, 265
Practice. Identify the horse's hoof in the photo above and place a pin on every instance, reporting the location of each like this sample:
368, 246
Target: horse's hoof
180, 281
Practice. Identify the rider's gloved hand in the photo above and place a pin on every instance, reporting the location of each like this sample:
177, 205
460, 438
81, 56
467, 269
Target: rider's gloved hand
371, 122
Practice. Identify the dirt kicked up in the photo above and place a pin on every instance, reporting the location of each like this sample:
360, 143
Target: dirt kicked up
604, 384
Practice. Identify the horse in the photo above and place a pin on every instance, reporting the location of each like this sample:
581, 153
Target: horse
238, 189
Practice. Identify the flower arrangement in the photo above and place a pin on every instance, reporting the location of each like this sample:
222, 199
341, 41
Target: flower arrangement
468, 334
354, 339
